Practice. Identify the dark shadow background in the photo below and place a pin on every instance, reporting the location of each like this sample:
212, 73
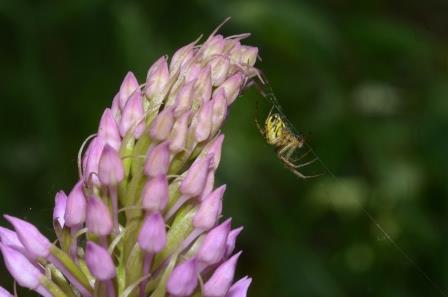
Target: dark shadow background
367, 79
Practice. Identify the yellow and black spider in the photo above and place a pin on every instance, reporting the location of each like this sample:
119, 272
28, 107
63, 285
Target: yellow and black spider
285, 142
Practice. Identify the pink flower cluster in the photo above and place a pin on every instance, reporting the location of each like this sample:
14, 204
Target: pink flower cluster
144, 217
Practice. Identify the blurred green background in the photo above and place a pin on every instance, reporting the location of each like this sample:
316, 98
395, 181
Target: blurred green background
368, 80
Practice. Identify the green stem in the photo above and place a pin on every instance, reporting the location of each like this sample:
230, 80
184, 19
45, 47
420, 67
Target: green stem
126, 150
132, 196
52, 288
65, 264
60, 281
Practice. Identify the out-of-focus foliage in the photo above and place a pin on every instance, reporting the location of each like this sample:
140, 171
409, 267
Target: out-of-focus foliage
367, 79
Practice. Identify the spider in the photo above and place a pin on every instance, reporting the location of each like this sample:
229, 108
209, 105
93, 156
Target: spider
285, 141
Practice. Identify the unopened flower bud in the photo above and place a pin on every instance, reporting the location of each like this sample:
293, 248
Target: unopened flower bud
60, 203
155, 193
22, 270
184, 99
231, 239
92, 158
157, 79
183, 280
219, 109
110, 167
75, 212
42, 291
192, 72
213, 246
10, 238
220, 67
204, 121
232, 48
99, 262
232, 87
156, 65
36, 244
207, 214
157, 160
108, 129
194, 181
215, 148
162, 125
99, 219
214, 46
209, 184
115, 107
128, 86
181, 57
248, 55
221, 280
132, 116
239, 289
203, 85
178, 135
152, 236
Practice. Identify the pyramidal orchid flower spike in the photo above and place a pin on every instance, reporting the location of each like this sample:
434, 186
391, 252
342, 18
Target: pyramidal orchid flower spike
144, 218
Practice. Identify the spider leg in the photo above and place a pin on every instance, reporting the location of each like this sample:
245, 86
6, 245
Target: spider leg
293, 168
302, 156
259, 127
291, 147
284, 159
257, 112
270, 111
288, 149
285, 154
287, 162
297, 173
291, 150
307, 163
